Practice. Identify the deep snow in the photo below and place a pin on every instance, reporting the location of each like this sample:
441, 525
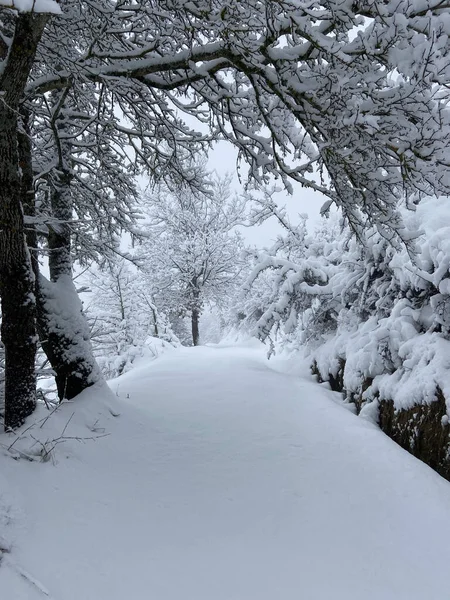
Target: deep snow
222, 479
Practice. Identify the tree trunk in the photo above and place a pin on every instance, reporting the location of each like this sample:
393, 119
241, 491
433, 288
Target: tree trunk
16, 287
16, 275
155, 323
62, 326
65, 336
195, 330
27, 187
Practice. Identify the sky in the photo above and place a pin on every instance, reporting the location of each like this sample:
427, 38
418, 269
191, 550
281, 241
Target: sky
222, 159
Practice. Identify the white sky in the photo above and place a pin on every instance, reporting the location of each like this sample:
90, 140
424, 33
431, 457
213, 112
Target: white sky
223, 160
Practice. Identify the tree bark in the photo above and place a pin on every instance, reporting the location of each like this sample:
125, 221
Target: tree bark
27, 187
155, 323
195, 317
62, 326
16, 288
16, 275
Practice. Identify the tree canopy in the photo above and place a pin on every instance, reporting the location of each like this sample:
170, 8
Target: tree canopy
348, 98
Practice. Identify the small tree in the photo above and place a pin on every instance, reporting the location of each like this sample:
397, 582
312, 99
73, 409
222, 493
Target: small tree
193, 253
123, 316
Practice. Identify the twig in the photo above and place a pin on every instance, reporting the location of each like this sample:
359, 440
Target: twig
22, 434
66, 425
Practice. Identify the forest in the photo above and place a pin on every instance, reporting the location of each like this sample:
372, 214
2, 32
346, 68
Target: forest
120, 244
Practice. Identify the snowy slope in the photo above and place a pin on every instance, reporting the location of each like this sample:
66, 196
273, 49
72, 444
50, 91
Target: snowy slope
222, 479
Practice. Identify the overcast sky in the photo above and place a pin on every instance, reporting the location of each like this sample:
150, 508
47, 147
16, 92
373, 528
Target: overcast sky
223, 160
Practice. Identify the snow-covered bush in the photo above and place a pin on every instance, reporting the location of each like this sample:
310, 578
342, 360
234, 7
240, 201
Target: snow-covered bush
374, 319
395, 336
125, 321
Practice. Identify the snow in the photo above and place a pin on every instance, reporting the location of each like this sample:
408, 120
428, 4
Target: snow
65, 318
377, 316
36, 6
218, 476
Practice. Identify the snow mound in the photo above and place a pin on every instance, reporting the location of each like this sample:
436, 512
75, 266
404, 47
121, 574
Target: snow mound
209, 475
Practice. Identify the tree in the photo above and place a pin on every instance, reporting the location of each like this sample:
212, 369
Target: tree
84, 196
89, 141
16, 275
293, 85
123, 316
193, 253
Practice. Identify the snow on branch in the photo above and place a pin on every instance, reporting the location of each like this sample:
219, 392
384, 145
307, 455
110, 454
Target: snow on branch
347, 99
33, 6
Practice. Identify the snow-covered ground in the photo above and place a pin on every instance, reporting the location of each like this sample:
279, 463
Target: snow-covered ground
222, 479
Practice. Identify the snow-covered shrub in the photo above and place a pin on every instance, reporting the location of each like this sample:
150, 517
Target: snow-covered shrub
396, 341
373, 317
289, 295
125, 322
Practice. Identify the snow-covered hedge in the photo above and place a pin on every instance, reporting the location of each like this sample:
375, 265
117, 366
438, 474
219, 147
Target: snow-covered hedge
395, 337
374, 320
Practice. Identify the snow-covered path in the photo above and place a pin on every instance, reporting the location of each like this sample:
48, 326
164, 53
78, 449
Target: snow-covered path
223, 480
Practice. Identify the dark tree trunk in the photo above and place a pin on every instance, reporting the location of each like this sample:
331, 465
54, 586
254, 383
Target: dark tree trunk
62, 327
27, 188
195, 330
195, 309
16, 275
155, 323
16, 288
